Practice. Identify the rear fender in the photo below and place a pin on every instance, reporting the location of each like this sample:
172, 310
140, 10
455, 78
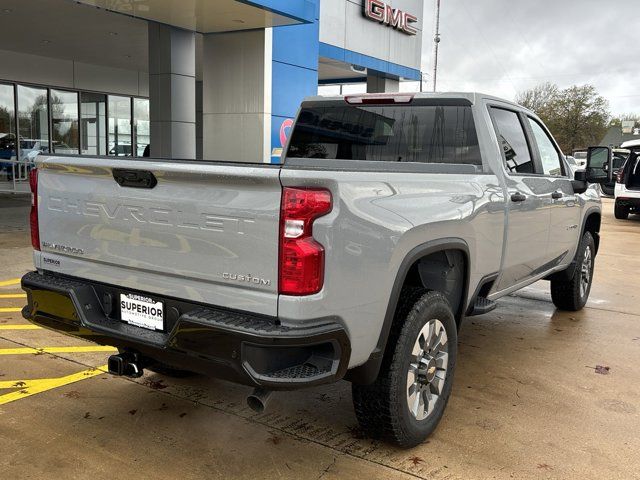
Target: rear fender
367, 373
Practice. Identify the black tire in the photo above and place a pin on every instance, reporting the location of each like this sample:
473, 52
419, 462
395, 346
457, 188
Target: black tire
382, 408
621, 212
572, 294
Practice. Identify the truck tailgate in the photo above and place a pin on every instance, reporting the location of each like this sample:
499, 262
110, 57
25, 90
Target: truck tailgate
206, 232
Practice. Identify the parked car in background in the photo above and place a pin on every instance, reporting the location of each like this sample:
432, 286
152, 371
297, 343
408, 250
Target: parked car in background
573, 164
121, 150
580, 157
627, 185
7, 152
31, 148
619, 157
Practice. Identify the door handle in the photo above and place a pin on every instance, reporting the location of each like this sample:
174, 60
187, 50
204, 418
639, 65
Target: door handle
518, 197
134, 178
557, 195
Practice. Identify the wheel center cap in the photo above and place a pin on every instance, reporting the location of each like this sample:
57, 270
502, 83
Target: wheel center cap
430, 370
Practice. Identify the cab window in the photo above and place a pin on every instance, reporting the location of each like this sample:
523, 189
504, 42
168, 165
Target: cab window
513, 141
549, 156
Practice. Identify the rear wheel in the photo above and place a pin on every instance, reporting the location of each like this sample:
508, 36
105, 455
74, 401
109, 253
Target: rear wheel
572, 294
621, 212
406, 402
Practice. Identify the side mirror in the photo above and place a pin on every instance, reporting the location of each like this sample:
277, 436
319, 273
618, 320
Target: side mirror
579, 182
599, 167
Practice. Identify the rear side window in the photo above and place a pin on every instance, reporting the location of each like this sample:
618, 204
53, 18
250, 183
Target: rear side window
513, 141
387, 133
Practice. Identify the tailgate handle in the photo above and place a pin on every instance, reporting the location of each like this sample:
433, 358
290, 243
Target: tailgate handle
134, 178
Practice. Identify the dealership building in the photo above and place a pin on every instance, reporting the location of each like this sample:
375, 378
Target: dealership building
185, 79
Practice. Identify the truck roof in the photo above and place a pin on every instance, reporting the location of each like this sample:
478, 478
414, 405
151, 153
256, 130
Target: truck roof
630, 144
473, 97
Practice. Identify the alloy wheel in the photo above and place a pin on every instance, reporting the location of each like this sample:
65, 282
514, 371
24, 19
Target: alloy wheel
427, 369
585, 272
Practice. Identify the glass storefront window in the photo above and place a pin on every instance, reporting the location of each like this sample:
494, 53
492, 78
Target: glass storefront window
93, 113
120, 138
7, 132
64, 120
142, 126
84, 123
33, 122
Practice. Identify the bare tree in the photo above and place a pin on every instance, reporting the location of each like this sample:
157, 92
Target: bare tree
539, 97
580, 117
577, 116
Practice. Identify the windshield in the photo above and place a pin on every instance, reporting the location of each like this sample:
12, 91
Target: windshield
387, 133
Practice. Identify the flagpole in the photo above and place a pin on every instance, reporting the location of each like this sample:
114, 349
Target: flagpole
436, 42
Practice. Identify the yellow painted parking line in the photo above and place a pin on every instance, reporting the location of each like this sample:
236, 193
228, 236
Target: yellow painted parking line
13, 295
32, 387
38, 351
10, 309
20, 327
6, 283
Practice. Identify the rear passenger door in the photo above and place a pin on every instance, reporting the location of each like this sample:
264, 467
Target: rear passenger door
565, 209
525, 254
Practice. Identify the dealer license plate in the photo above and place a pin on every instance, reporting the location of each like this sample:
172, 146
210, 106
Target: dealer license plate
141, 311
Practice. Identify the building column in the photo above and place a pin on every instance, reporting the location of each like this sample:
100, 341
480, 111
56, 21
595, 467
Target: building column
172, 92
253, 83
378, 83
236, 96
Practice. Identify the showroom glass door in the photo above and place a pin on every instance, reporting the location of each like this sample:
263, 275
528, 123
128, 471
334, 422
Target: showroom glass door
64, 122
93, 113
142, 126
120, 131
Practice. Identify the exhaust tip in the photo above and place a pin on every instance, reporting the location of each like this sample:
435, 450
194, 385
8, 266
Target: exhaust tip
258, 400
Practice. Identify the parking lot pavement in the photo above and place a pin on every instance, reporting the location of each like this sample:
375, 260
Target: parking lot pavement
528, 400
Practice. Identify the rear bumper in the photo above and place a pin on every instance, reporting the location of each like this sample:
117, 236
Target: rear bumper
244, 348
627, 201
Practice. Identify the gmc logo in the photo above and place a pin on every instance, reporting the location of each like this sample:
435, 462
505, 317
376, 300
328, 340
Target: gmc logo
378, 11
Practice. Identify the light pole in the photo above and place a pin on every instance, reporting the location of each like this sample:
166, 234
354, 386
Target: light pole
436, 42
424, 77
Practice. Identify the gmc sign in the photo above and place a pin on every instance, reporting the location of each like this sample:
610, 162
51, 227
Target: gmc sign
378, 11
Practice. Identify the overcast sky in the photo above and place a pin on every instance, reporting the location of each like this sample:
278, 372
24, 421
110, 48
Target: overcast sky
504, 46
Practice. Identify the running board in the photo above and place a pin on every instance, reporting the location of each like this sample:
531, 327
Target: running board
481, 306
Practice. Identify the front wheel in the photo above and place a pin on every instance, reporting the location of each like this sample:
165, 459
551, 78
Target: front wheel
406, 402
572, 294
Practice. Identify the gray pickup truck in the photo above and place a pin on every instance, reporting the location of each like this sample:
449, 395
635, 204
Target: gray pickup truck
390, 219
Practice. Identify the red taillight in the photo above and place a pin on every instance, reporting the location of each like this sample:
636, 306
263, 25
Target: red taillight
620, 175
33, 215
301, 257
